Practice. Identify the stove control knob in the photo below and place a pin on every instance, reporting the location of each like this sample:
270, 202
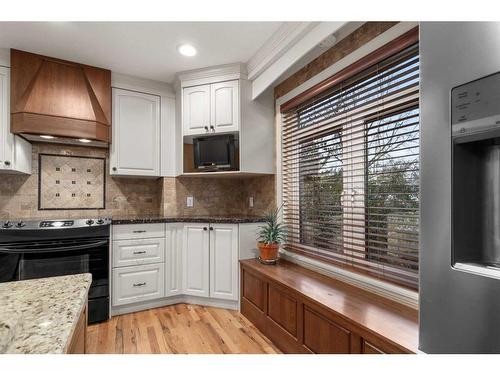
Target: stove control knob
21, 224
100, 221
7, 224
89, 222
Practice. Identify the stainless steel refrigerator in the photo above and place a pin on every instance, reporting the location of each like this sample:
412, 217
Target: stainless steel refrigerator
460, 187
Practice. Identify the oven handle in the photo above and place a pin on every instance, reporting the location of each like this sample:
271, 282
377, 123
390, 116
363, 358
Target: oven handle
7, 250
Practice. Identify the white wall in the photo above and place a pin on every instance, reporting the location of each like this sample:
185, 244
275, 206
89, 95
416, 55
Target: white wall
5, 57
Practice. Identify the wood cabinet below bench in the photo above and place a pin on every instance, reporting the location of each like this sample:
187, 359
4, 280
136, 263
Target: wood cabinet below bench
287, 303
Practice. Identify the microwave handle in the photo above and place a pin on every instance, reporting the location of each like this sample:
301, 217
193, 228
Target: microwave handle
7, 250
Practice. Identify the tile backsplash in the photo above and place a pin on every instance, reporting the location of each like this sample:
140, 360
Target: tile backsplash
218, 196
139, 196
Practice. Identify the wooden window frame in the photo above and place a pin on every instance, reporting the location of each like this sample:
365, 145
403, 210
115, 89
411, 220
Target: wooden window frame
400, 43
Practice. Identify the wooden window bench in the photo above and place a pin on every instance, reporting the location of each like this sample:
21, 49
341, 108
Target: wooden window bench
302, 311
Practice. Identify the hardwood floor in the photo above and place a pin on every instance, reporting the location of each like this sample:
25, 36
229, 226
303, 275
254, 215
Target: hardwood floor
178, 328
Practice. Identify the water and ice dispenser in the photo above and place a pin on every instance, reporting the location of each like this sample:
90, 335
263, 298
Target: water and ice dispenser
475, 119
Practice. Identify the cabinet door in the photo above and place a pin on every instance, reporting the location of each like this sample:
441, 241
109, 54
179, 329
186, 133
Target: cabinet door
196, 110
195, 256
135, 150
369, 348
173, 262
224, 106
6, 138
137, 252
323, 336
137, 231
15, 152
138, 283
224, 261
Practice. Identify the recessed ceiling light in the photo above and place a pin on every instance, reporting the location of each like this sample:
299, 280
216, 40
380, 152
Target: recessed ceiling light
47, 136
83, 140
186, 50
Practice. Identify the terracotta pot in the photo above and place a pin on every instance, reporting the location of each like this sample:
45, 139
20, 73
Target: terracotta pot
268, 252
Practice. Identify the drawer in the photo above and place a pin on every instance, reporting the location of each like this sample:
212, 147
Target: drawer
131, 231
137, 252
138, 283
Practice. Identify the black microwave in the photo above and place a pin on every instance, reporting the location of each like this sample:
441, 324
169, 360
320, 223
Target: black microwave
214, 152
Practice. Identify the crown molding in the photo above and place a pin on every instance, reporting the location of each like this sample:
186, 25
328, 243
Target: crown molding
128, 82
212, 74
285, 37
302, 44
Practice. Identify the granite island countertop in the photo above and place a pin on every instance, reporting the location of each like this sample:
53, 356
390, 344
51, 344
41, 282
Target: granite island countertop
39, 316
145, 219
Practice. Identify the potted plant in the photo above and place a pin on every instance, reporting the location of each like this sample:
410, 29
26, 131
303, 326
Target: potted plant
271, 235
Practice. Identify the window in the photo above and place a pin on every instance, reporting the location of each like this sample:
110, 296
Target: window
351, 171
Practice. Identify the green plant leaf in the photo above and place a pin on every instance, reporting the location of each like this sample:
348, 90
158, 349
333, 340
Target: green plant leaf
272, 232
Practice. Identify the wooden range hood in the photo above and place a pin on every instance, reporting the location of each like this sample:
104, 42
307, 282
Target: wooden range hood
59, 98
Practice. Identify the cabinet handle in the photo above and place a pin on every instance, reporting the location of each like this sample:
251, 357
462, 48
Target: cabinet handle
212, 128
139, 284
211, 228
114, 169
139, 252
139, 231
7, 162
204, 228
206, 128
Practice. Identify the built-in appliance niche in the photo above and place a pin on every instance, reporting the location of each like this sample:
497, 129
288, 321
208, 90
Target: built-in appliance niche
476, 203
475, 115
223, 150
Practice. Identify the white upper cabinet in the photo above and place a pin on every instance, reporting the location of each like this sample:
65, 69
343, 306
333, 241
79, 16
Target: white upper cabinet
15, 152
196, 110
213, 108
135, 150
224, 261
6, 140
195, 252
224, 107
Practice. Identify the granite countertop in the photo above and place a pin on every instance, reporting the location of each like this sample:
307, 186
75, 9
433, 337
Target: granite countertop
139, 219
39, 316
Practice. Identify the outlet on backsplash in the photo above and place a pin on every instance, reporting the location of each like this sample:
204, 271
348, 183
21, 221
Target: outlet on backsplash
250, 202
189, 202
218, 196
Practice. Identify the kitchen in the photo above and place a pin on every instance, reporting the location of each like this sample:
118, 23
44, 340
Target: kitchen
311, 190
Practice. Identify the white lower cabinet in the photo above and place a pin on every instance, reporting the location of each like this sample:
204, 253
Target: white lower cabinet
224, 261
189, 259
173, 259
195, 259
210, 257
138, 252
138, 260
138, 283
138, 231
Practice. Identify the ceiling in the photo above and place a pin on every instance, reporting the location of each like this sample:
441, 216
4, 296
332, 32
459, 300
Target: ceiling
143, 49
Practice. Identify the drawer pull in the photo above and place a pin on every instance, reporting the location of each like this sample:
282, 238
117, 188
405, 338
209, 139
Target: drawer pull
139, 231
139, 284
139, 252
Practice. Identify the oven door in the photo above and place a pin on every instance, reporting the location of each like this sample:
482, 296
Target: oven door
58, 258
37, 259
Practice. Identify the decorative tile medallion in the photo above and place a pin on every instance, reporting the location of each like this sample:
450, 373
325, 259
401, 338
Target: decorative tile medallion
71, 182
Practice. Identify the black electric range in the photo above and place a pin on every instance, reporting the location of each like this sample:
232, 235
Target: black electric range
43, 248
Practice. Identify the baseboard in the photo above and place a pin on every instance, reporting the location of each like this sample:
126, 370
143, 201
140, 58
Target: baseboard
140, 306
